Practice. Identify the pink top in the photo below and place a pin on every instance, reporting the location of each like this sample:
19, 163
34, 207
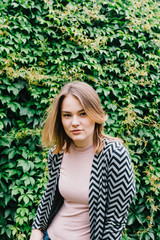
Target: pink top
72, 220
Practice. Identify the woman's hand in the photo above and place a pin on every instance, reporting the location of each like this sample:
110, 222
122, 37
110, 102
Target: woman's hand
36, 235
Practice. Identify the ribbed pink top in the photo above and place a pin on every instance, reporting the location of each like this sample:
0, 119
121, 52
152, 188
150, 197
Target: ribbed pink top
72, 220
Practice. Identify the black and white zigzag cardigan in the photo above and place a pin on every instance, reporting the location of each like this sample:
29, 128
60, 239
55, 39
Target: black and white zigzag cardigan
111, 190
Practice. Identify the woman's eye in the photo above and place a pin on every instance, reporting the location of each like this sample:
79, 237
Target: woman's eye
83, 114
66, 115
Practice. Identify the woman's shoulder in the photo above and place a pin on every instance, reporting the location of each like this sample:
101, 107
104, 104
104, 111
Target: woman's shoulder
116, 151
52, 152
114, 145
53, 155
54, 159
115, 142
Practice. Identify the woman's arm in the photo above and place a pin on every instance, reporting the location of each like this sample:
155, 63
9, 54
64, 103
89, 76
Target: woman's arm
121, 189
46, 205
36, 234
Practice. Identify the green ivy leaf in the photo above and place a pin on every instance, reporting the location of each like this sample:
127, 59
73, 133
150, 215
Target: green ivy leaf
131, 219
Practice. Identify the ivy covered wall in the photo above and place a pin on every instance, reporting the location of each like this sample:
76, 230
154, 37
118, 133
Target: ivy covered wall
112, 45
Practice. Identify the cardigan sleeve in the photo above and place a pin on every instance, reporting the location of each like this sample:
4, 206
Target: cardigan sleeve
121, 189
44, 209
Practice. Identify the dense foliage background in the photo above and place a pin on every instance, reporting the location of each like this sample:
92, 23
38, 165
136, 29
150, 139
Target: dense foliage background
112, 45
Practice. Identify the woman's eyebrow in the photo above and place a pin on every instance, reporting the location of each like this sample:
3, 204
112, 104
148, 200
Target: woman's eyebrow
65, 111
82, 110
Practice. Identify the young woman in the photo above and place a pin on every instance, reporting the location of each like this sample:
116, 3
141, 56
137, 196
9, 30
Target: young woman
91, 182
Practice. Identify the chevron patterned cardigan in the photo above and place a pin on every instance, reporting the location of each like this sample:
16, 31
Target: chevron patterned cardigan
111, 190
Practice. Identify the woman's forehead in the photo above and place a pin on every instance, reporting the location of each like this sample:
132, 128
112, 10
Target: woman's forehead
71, 102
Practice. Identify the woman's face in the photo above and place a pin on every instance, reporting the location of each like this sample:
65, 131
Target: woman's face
77, 125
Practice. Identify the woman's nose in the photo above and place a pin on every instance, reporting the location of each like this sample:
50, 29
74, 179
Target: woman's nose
75, 121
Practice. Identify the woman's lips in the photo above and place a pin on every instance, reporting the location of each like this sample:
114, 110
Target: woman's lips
76, 131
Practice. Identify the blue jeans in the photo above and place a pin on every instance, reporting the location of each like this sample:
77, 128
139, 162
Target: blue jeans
45, 236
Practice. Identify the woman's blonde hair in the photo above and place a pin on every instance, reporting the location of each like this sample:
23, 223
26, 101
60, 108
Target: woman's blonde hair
53, 132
